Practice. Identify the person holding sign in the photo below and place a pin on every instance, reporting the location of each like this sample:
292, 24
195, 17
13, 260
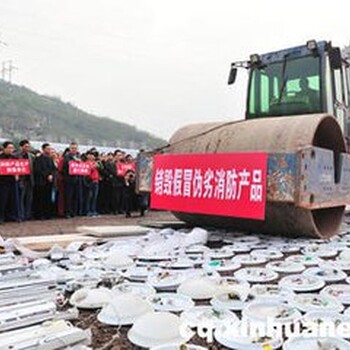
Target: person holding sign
8, 187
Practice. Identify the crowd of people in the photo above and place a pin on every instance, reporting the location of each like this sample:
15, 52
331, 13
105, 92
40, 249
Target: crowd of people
50, 189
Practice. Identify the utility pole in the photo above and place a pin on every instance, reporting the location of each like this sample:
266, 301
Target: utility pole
3, 71
11, 68
7, 69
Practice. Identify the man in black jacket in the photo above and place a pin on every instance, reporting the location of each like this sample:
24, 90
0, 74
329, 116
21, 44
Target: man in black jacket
26, 182
128, 192
119, 158
71, 183
110, 171
44, 173
8, 188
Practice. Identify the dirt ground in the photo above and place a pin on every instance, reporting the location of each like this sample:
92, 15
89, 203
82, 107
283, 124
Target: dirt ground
62, 226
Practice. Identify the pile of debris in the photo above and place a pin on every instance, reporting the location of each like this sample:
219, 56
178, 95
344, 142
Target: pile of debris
162, 289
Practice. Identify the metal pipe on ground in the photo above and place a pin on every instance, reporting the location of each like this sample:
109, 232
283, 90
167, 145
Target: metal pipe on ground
271, 135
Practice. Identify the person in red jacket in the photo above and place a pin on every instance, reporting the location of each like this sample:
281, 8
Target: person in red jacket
93, 185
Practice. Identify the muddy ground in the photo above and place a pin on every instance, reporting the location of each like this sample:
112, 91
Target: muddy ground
62, 226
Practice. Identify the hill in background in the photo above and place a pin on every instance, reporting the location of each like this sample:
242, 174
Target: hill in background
26, 114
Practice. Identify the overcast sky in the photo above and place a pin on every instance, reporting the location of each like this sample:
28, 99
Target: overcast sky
156, 64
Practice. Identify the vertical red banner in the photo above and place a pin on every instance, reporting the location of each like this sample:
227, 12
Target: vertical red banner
215, 184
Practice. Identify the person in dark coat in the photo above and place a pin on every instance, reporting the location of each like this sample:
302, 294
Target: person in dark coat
26, 182
71, 183
110, 170
119, 157
128, 192
102, 195
8, 205
60, 184
44, 176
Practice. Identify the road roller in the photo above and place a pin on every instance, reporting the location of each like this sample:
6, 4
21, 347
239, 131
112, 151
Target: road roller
297, 114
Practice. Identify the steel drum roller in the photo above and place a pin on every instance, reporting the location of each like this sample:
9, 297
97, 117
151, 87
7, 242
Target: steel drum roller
271, 135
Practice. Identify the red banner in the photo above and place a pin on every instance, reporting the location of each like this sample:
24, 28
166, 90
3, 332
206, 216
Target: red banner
215, 184
122, 168
79, 168
14, 167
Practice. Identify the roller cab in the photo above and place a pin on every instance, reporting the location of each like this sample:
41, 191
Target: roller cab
308, 79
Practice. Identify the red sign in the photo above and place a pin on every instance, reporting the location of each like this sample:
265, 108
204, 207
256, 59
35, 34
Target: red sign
215, 184
122, 168
14, 167
79, 168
